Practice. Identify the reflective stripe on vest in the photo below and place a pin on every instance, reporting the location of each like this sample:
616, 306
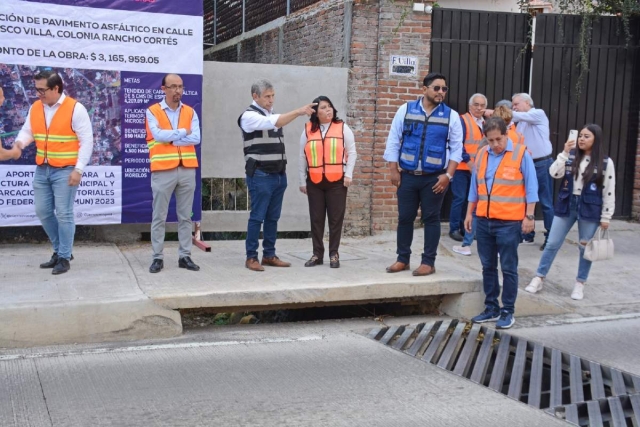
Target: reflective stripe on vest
424, 139
166, 156
325, 155
57, 145
473, 137
265, 146
507, 198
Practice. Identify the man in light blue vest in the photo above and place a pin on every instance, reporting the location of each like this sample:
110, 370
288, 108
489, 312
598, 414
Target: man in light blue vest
423, 149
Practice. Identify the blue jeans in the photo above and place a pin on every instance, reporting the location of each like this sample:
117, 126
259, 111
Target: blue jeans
559, 230
460, 191
266, 191
468, 237
545, 194
54, 199
496, 236
415, 192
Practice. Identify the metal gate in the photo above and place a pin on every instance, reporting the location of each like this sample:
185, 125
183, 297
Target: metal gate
608, 90
490, 53
479, 52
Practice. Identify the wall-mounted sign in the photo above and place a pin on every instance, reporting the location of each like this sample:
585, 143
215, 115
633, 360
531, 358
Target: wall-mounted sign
403, 65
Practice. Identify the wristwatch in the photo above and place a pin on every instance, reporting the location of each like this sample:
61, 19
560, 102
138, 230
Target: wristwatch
449, 176
531, 217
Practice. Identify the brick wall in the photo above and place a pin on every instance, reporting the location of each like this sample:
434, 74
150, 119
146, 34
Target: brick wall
412, 37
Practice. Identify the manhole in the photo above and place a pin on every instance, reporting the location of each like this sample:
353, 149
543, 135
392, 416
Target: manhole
580, 391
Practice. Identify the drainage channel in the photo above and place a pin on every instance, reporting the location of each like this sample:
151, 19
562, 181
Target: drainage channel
580, 391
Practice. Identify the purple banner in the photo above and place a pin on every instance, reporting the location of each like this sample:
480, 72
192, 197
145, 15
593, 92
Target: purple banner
182, 7
139, 91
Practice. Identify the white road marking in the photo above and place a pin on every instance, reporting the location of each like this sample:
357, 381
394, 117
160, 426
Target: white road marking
133, 349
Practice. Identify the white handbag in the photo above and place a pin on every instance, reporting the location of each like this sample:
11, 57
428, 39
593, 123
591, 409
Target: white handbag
600, 247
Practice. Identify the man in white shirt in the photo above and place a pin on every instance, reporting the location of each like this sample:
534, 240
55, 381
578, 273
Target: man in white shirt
265, 164
533, 124
62, 131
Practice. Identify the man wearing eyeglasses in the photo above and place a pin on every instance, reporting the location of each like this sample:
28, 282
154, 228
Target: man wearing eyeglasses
423, 149
62, 131
173, 131
472, 122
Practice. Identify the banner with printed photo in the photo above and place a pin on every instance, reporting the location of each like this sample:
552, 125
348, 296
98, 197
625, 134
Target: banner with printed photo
112, 56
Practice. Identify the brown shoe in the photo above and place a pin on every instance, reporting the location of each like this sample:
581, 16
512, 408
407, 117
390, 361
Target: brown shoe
253, 265
424, 270
397, 266
274, 261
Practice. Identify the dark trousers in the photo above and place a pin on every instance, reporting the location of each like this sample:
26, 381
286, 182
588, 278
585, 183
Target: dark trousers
326, 199
495, 237
460, 190
414, 192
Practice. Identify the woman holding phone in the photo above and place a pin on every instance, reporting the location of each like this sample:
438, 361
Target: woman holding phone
587, 195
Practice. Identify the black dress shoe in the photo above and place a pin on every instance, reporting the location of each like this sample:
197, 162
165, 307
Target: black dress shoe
156, 266
53, 261
313, 261
62, 266
456, 235
334, 261
185, 262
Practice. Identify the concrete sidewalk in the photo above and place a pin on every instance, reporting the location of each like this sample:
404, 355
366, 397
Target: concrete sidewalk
110, 295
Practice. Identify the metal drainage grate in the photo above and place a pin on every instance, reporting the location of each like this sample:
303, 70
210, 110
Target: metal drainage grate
583, 392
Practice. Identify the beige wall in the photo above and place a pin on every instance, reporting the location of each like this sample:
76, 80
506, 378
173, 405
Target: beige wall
226, 94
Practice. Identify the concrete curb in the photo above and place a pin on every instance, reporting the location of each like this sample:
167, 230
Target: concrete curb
86, 322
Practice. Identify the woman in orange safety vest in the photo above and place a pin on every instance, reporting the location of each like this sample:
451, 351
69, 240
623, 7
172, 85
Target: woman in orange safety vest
327, 158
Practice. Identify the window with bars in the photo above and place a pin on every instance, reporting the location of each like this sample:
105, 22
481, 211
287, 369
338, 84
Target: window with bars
225, 194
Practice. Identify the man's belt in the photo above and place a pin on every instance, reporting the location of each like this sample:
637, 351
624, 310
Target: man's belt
418, 173
539, 159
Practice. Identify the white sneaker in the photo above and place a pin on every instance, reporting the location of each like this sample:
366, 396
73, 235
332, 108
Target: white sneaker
462, 250
578, 291
535, 285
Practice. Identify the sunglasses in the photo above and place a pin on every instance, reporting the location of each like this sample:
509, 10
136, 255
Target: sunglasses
444, 89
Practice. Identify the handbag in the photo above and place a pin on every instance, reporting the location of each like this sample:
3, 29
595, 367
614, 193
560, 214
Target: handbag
600, 247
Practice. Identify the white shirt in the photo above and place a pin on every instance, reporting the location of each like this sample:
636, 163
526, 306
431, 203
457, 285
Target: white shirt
252, 121
80, 123
557, 170
349, 151
454, 153
534, 126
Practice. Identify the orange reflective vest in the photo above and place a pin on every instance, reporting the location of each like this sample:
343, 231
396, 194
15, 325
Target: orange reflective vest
473, 136
507, 199
57, 145
325, 156
164, 155
515, 136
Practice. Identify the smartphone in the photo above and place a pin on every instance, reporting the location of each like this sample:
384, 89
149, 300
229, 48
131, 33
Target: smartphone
573, 135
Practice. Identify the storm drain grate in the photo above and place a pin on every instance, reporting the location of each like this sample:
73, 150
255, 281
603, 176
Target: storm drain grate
580, 391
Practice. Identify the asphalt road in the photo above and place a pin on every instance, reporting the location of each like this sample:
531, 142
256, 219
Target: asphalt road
308, 374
